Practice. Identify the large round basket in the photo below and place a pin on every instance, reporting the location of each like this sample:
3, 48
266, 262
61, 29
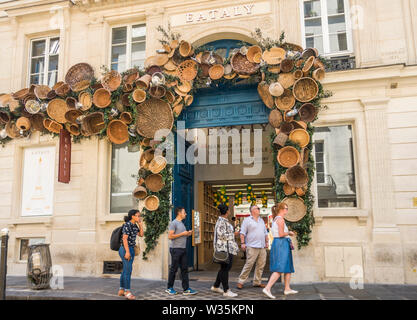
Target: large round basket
242, 65
275, 118
117, 132
288, 156
151, 203
286, 101
286, 80
263, 91
187, 70
93, 123
102, 98
86, 100
153, 115
140, 192
79, 76
154, 182
307, 112
274, 55
111, 80
296, 209
296, 176
305, 89
41, 91
157, 164
57, 109
216, 71
300, 136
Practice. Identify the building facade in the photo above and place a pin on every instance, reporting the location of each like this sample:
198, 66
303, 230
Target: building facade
365, 145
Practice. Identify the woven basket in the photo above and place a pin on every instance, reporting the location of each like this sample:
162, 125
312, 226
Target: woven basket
72, 115
51, 95
306, 154
177, 59
63, 90
288, 156
187, 70
174, 44
274, 55
170, 66
130, 76
143, 82
140, 192
242, 65
296, 176
52, 125
170, 96
288, 190
211, 58
71, 102
27, 98
308, 64
126, 117
177, 108
298, 74
287, 80
229, 76
275, 118
204, 70
153, 115
319, 65
102, 98
37, 122
93, 123
319, 74
79, 76
300, 136
299, 124
148, 155
157, 164
276, 89
286, 101
188, 99
23, 123
153, 69
73, 129
216, 72
282, 178
307, 112
138, 96
252, 52
41, 91
263, 91
12, 131
127, 87
296, 209
86, 100
57, 109
157, 91
281, 139
287, 65
305, 89
117, 132
111, 80
154, 182
310, 52
4, 117
179, 92
151, 203
21, 94
300, 191
286, 127
184, 48
145, 142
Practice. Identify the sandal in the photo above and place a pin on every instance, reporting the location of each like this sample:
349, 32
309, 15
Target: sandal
130, 296
121, 293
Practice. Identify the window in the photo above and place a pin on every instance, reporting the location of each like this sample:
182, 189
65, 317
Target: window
128, 47
334, 161
124, 161
44, 56
327, 26
24, 246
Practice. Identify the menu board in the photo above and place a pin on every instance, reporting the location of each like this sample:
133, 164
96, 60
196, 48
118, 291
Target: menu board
196, 222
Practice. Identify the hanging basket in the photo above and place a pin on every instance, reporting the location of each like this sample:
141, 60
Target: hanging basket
154, 182
79, 77
138, 96
298, 74
287, 80
102, 98
143, 82
4, 117
56, 110
216, 71
148, 154
41, 91
242, 65
93, 123
126, 117
157, 91
307, 112
130, 76
319, 74
296, 209
170, 96
23, 123
254, 53
73, 129
185, 48
300, 136
72, 114
140, 192
263, 91
187, 70
170, 66
305, 89
86, 100
63, 90
52, 125
153, 115
296, 176
286, 101
188, 99
308, 64
281, 139
117, 132
157, 164
288, 156
275, 118
274, 55
151, 203
21, 94
111, 80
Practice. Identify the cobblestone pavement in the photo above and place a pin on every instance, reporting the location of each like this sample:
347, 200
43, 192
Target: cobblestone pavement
106, 289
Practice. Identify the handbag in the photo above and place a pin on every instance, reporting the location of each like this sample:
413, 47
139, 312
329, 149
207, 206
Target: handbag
220, 256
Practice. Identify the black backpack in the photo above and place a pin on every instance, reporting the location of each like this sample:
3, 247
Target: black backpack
115, 238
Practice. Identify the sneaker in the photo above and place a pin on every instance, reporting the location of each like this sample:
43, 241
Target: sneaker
171, 291
218, 290
229, 294
268, 294
290, 292
189, 291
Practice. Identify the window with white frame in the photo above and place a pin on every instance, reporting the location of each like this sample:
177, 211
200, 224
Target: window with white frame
335, 170
124, 160
25, 244
128, 46
44, 55
326, 26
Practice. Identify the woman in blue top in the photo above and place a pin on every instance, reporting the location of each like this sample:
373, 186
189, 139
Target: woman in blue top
127, 250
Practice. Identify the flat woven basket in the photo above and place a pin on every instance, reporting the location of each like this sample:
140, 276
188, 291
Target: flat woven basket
296, 209
79, 76
216, 72
153, 115
157, 164
117, 132
111, 80
275, 118
102, 98
242, 65
187, 70
288, 156
151, 203
300, 136
287, 80
140, 192
57, 109
263, 91
286, 101
274, 55
154, 182
305, 89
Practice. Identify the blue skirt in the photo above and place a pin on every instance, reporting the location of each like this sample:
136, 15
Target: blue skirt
281, 256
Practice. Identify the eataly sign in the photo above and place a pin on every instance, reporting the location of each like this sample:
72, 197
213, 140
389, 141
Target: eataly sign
215, 14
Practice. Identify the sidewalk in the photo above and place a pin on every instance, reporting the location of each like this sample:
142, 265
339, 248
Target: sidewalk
106, 289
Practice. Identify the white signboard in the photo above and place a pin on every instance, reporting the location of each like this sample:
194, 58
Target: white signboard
38, 181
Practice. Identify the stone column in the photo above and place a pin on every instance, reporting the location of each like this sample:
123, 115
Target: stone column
386, 241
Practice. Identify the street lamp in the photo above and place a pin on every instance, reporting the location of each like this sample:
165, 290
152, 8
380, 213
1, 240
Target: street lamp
3, 262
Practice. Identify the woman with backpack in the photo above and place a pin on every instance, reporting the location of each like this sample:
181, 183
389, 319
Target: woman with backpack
133, 225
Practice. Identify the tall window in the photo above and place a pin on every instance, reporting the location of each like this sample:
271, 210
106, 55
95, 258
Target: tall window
44, 56
326, 26
335, 172
128, 47
124, 161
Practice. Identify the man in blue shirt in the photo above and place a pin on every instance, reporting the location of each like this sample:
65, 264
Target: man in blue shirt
254, 240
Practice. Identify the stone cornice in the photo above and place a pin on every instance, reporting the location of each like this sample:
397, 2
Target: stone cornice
28, 7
